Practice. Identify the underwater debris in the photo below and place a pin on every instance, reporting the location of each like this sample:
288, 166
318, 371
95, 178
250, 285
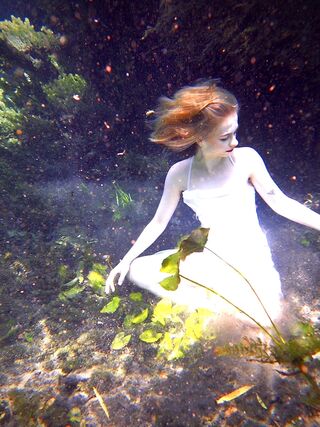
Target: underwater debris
234, 394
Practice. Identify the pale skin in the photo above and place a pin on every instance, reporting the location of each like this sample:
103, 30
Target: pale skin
211, 168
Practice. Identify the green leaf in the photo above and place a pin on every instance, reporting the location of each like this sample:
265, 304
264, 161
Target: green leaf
305, 242
120, 341
162, 311
194, 326
136, 296
171, 283
171, 264
177, 352
150, 336
96, 280
72, 282
195, 242
127, 323
141, 317
166, 344
28, 337
70, 293
112, 306
99, 268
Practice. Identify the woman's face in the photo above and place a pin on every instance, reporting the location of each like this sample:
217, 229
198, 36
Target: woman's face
221, 141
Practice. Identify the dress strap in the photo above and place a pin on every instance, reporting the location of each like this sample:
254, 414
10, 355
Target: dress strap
231, 160
189, 173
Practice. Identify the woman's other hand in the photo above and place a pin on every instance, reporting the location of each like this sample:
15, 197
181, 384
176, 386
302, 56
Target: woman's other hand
116, 276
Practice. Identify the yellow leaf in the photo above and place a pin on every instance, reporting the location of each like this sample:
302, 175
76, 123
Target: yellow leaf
261, 401
234, 394
102, 404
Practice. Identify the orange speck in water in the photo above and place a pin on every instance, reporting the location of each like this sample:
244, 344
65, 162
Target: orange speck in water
272, 88
63, 40
108, 69
293, 178
253, 60
133, 242
304, 369
19, 132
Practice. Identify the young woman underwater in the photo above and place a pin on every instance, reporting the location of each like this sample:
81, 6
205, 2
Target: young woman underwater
218, 183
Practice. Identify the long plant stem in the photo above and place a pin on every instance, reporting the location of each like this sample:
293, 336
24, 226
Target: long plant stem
236, 307
253, 290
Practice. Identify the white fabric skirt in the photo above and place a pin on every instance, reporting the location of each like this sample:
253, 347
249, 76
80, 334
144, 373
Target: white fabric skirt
209, 270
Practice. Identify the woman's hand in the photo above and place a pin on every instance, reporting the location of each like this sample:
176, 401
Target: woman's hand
116, 276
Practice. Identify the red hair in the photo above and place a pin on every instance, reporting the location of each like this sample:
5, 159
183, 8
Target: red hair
193, 111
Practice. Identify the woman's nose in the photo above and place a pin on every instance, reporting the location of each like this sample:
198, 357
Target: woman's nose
234, 142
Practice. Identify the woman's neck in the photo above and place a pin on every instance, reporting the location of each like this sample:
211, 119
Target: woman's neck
211, 164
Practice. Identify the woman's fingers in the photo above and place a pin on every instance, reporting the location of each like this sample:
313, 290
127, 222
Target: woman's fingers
109, 287
115, 278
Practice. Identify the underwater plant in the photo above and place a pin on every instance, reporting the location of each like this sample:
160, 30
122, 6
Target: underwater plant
171, 329
294, 352
123, 202
66, 92
10, 122
20, 36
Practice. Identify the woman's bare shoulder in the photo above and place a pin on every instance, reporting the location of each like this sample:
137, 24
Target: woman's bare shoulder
246, 155
243, 152
178, 173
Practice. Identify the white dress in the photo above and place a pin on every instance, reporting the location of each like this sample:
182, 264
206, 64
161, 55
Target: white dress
236, 236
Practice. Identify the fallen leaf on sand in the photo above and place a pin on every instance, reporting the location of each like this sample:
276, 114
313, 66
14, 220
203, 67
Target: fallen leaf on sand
234, 394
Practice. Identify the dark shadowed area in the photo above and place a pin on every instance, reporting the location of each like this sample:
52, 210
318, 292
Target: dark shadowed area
79, 180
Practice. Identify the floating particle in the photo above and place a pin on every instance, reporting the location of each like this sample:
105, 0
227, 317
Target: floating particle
19, 72
106, 125
271, 88
253, 60
122, 153
134, 44
54, 19
19, 132
76, 97
149, 113
108, 69
63, 40
293, 178
270, 125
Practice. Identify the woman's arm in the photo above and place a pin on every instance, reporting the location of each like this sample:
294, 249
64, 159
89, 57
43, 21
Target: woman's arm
275, 198
167, 206
168, 203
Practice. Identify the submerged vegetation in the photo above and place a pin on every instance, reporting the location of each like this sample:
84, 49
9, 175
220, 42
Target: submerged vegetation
76, 185
294, 352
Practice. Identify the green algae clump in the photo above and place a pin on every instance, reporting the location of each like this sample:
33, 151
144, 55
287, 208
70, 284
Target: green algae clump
65, 92
10, 122
20, 36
